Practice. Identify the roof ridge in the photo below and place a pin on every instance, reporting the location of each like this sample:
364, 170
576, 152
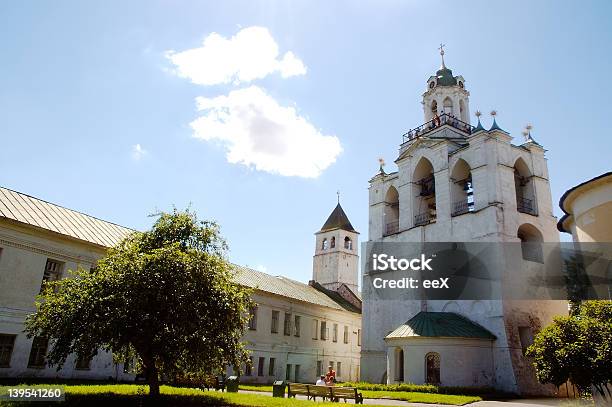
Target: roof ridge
66, 208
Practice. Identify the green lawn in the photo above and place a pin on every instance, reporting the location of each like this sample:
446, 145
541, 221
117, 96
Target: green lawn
124, 395
412, 396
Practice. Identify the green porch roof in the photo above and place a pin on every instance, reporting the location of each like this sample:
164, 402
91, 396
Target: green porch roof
440, 325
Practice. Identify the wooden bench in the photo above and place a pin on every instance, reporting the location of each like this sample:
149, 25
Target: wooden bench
345, 393
312, 391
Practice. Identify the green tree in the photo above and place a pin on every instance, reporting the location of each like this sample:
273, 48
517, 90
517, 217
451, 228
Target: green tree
577, 348
166, 296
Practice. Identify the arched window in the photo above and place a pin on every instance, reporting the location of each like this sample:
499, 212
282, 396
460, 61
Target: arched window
462, 190
348, 243
432, 368
462, 111
531, 243
333, 242
391, 212
525, 193
434, 109
399, 365
324, 244
424, 192
448, 106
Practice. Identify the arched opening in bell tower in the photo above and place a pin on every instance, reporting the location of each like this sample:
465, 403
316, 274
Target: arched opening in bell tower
462, 189
525, 191
424, 191
531, 242
391, 211
462, 112
434, 110
448, 106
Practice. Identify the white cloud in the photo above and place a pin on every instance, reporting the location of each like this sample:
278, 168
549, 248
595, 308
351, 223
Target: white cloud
138, 152
260, 133
250, 54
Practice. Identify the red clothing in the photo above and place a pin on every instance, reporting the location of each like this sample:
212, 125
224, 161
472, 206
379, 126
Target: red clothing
330, 377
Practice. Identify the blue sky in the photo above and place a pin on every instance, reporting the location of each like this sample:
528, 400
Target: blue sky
95, 116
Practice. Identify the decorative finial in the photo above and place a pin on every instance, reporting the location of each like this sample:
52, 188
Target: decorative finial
338, 193
493, 113
381, 161
526, 135
442, 54
478, 114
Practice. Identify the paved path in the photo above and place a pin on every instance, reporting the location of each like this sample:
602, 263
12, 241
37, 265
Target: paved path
399, 403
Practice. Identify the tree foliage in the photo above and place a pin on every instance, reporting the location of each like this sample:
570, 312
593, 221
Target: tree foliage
166, 295
577, 348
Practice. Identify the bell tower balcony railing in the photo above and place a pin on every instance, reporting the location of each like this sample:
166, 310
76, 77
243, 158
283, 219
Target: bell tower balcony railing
525, 205
437, 122
391, 228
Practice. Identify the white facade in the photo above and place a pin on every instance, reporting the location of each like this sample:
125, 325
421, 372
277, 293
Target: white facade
24, 254
39, 240
460, 184
301, 354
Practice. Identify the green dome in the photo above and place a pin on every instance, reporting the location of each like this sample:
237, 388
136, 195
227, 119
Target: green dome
445, 77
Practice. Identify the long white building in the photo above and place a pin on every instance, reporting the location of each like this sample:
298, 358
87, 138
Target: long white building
296, 330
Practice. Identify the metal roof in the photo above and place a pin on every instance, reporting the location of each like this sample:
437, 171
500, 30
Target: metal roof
32, 211
284, 287
441, 325
338, 220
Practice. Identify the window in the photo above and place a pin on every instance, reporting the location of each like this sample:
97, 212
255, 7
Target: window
424, 192
253, 318
260, 366
432, 368
359, 337
274, 326
323, 330
335, 335
462, 189
271, 367
7, 342
296, 326
53, 272
288, 373
319, 367
391, 212
324, 245
346, 334
287, 324
315, 329
82, 363
348, 243
526, 337
297, 373
248, 369
338, 369
524, 188
399, 364
38, 352
531, 243
333, 242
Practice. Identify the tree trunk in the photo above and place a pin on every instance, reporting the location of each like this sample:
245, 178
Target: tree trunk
152, 376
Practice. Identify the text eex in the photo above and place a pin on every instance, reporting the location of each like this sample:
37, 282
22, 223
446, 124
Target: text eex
409, 282
382, 262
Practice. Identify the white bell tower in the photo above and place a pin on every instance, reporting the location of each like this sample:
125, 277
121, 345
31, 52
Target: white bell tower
336, 261
446, 94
